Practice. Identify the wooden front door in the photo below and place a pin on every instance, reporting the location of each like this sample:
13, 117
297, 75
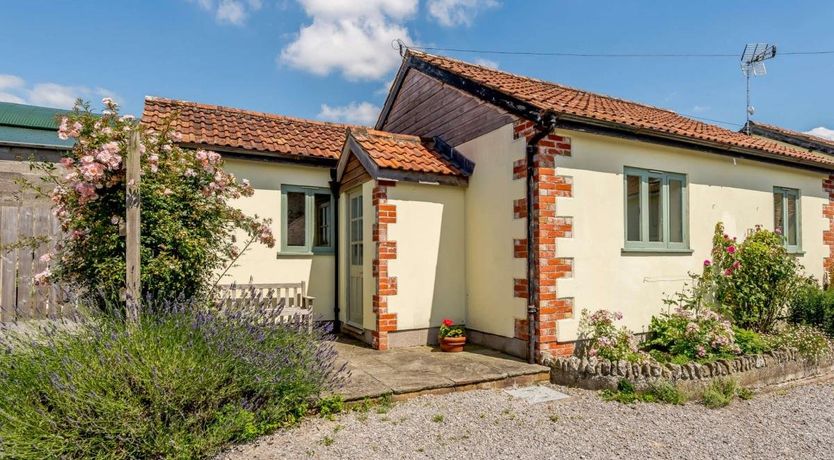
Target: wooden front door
355, 259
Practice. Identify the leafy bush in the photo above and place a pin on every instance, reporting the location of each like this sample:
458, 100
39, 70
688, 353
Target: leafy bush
754, 281
604, 339
179, 384
658, 392
809, 341
188, 226
702, 336
720, 393
751, 342
813, 306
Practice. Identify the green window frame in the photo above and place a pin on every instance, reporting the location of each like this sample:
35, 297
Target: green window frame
307, 220
656, 210
787, 217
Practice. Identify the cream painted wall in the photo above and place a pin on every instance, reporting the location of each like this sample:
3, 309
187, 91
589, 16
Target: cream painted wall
430, 266
737, 192
490, 230
265, 265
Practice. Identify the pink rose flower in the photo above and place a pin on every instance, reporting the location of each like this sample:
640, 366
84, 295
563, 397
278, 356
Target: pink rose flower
731, 249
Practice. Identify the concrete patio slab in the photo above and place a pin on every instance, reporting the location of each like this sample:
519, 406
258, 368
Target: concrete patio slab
409, 372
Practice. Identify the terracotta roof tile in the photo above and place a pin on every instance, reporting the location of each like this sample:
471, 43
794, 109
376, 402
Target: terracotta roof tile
403, 152
586, 105
224, 127
795, 134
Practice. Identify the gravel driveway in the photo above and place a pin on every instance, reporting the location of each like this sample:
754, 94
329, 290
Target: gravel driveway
792, 423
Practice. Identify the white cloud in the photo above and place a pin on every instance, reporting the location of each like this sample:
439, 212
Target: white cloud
15, 89
10, 81
486, 63
230, 11
822, 132
700, 108
362, 113
350, 37
451, 13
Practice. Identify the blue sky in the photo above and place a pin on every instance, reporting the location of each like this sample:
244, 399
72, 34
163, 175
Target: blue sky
332, 59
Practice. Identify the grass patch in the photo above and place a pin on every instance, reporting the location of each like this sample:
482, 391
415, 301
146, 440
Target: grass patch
657, 392
437, 418
721, 392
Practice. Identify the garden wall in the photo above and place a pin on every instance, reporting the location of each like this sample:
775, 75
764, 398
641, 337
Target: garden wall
751, 371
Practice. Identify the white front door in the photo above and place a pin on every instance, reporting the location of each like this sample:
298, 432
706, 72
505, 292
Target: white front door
355, 259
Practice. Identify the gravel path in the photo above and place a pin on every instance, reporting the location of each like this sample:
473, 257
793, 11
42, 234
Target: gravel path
794, 423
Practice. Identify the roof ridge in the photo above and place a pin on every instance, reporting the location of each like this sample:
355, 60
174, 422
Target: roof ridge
793, 132
202, 105
380, 133
559, 85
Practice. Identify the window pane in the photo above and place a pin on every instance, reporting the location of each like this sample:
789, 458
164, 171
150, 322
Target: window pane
675, 211
778, 212
296, 219
322, 224
655, 210
793, 225
633, 208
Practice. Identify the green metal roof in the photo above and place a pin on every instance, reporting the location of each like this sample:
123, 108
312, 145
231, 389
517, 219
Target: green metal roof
30, 125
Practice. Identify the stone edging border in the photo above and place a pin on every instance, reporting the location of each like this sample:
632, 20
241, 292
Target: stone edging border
770, 368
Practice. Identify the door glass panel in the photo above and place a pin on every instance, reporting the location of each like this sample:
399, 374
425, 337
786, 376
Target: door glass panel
792, 220
633, 208
655, 209
296, 220
675, 211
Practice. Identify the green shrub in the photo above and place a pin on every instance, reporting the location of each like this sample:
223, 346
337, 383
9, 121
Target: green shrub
719, 393
685, 335
752, 343
754, 281
603, 339
809, 341
813, 306
657, 392
330, 406
179, 384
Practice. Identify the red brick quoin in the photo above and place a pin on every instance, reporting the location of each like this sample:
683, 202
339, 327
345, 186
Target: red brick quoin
828, 235
385, 213
548, 226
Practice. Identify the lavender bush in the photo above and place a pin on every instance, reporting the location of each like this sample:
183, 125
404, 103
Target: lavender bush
183, 383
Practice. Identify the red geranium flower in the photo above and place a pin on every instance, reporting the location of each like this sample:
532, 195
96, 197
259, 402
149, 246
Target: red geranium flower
447, 322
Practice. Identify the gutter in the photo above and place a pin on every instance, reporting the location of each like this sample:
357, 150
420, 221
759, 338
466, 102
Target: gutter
334, 189
543, 128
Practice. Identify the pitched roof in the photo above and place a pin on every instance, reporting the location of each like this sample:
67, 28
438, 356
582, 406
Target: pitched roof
792, 137
404, 152
584, 106
266, 134
22, 124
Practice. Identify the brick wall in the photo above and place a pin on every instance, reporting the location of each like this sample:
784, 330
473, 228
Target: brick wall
548, 227
828, 235
385, 250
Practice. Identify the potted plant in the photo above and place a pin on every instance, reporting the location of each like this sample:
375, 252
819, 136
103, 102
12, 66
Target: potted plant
452, 336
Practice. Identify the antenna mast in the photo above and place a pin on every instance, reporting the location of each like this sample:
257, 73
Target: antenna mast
752, 63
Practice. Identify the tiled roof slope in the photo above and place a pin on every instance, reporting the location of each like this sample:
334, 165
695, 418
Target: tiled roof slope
795, 134
590, 106
403, 152
225, 127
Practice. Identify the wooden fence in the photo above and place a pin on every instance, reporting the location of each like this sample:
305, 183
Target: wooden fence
20, 299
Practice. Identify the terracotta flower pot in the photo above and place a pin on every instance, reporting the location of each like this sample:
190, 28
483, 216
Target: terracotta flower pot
452, 344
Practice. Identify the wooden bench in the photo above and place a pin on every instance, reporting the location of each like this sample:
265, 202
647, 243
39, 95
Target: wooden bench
296, 305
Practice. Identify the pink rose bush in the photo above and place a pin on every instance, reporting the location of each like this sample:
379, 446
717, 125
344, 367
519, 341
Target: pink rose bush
188, 229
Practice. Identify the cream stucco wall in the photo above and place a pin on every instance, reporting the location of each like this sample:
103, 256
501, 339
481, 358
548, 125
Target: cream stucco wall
430, 266
490, 230
265, 265
734, 191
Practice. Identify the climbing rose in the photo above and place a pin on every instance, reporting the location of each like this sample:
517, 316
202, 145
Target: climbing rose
707, 263
731, 249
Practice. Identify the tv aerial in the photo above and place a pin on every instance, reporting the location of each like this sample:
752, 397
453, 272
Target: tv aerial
752, 64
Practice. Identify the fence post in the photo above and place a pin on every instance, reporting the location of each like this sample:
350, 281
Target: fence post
132, 229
